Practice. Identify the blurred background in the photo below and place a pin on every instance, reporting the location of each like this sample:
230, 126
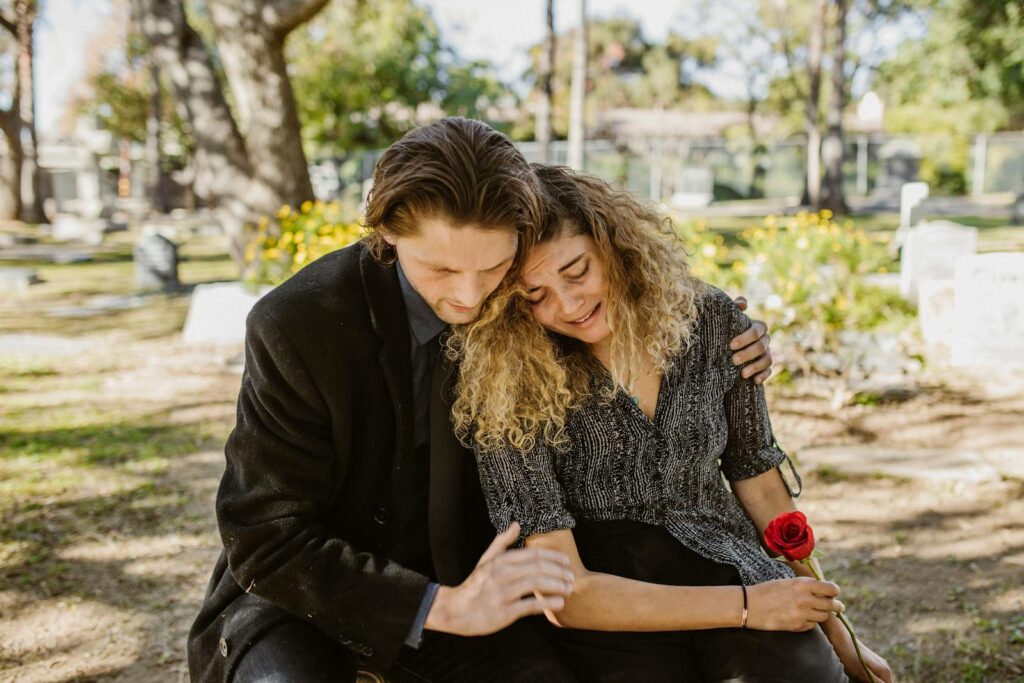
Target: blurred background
854, 167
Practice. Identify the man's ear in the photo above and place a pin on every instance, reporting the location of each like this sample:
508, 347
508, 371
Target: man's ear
390, 239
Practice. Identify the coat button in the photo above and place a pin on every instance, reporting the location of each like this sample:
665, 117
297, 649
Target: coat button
223, 647
382, 516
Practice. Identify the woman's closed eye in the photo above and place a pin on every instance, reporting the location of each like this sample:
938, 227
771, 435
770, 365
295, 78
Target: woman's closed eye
581, 274
576, 277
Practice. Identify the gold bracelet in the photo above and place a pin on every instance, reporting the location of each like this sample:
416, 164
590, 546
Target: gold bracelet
743, 620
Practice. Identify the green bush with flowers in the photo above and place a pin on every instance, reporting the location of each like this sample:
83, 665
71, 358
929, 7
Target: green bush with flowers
292, 238
814, 269
806, 276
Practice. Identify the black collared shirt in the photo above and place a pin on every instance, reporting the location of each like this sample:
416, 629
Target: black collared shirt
424, 326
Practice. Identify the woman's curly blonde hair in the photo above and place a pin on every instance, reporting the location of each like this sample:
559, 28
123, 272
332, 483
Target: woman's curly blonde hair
517, 381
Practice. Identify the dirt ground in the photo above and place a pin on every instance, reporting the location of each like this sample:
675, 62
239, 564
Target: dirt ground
110, 458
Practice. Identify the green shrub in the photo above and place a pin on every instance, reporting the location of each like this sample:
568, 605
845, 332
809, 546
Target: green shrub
807, 275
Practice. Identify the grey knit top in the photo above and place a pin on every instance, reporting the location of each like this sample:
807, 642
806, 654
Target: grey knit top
668, 471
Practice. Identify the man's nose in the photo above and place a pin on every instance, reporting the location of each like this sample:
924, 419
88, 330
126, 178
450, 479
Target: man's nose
469, 290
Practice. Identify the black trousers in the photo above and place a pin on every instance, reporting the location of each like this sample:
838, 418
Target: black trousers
649, 553
298, 652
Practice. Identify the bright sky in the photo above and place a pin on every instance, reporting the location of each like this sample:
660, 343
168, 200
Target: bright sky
497, 30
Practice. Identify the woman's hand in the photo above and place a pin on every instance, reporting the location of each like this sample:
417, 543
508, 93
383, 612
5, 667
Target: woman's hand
797, 604
842, 643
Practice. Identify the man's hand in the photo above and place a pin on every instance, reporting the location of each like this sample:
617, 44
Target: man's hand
505, 586
752, 349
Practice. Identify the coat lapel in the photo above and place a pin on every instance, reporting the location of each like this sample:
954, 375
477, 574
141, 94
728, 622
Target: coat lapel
390, 323
448, 481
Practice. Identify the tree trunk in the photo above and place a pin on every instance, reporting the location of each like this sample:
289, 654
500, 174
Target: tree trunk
812, 178
252, 50
10, 165
31, 201
833, 197
240, 177
545, 81
578, 93
156, 188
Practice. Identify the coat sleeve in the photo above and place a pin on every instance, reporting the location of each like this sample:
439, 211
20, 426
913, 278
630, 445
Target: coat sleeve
281, 474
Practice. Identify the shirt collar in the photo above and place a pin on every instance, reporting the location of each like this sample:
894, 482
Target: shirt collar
423, 322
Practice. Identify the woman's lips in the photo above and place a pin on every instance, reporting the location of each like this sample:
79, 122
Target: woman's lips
589, 318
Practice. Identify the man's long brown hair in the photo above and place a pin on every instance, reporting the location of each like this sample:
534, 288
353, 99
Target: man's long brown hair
455, 169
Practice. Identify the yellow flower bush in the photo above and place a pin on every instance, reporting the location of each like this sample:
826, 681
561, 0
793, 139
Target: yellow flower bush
710, 257
806, 279
804, 275
291, 239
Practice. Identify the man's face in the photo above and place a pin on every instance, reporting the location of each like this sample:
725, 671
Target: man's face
455, 267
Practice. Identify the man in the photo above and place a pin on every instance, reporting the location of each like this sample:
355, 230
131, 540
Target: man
352, 519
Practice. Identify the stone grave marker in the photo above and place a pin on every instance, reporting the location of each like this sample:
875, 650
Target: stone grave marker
989, 311
17, 279
935, 303
69, 227
217, 312
156, 262
931, 251
911, 197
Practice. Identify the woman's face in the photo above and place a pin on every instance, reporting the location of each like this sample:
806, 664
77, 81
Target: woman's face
564, 281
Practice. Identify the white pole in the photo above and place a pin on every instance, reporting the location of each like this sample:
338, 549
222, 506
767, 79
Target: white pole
577, 92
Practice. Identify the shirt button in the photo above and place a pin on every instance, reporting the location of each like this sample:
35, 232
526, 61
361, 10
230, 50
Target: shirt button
382, 516
222, 645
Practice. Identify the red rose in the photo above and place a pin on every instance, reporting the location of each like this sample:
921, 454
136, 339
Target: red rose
790, 535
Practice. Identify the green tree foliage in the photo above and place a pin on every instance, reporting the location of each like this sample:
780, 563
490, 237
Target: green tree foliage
119, 99
964, 76
626, 70
361, 69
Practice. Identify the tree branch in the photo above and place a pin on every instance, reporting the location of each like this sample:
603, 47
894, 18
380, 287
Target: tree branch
286, 15
8, 24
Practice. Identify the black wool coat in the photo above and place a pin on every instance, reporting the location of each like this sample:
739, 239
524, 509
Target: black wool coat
316, 476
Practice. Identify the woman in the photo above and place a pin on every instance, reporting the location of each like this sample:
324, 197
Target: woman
601, 401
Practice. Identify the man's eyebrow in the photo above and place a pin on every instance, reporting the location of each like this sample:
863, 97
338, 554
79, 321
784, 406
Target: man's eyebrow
510, 258
446, 269
568, 265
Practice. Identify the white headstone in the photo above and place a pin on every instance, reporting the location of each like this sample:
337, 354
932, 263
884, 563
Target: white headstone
911, 196
217, 312
989, 311
931, 251
66, 227
935, 303
17, 279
